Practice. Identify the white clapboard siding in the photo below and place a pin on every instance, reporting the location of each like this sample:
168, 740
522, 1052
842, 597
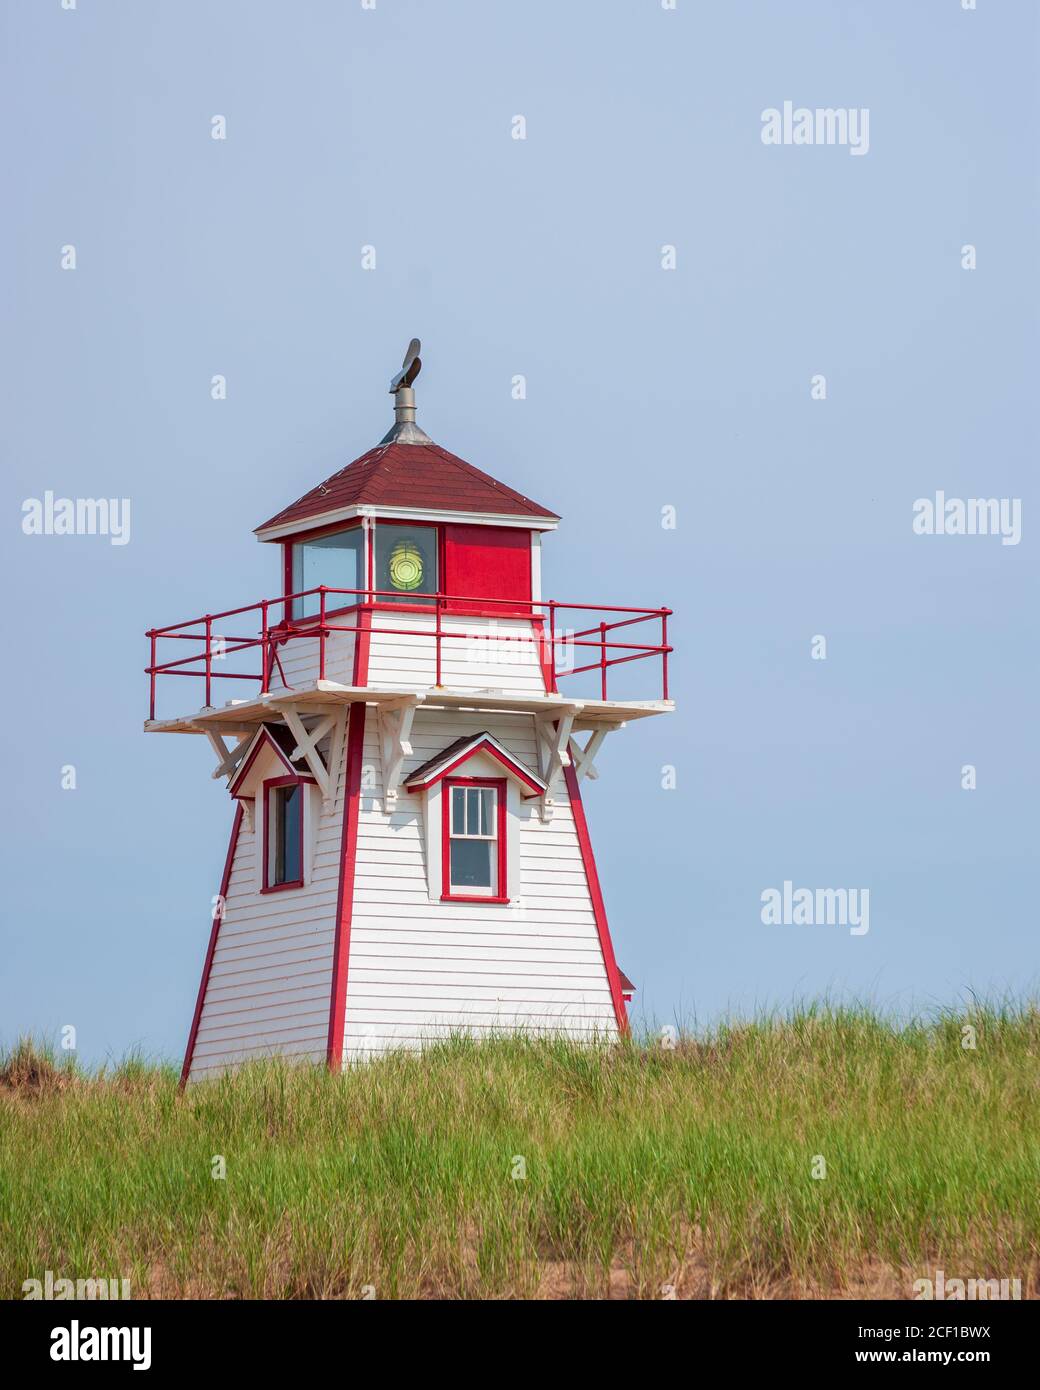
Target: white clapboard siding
422, 970
372, 949
271, 978
372, 1039
419, 970
483, 653
299, 659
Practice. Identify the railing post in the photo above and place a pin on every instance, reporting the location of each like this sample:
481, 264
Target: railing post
151, 672
263, 648
664, 654
321, 632
209, 661
603, 660
437, 639
552, 646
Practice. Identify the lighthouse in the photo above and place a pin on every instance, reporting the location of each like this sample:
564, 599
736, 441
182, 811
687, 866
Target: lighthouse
404, 729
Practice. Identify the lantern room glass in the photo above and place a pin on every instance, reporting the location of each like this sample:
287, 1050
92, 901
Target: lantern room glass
336, 561
406, 562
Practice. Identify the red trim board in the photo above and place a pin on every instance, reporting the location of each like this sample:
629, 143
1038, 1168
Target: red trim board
362, 645
189, 1051
345, 897
596, 894
500, 895
266, 886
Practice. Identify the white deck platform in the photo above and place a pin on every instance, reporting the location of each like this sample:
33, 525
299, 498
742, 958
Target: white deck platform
241, 716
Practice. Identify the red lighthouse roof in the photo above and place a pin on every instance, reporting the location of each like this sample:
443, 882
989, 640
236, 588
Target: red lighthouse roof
407, 472
419, 477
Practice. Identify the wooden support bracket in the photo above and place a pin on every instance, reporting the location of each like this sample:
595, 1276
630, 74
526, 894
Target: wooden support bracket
307, 744
552, 737
339, 733
228, 759
584, 758
395, 733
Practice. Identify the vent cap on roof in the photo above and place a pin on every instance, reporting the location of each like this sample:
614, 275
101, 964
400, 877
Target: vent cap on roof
404, 429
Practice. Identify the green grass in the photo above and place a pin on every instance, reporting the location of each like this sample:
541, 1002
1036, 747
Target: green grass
645, 1167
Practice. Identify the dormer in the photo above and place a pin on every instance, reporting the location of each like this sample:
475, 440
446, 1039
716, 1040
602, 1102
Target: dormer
471, 794
281, 806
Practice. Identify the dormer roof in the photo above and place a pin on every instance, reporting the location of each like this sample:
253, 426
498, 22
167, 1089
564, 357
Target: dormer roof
452, 757
279, 741
409, 478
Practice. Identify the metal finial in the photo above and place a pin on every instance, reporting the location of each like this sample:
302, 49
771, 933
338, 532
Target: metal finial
405, 430
410, 367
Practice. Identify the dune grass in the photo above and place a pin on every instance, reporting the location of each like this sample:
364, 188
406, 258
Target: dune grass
520, 1168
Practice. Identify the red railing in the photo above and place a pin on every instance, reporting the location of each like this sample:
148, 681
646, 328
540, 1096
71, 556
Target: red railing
547, 636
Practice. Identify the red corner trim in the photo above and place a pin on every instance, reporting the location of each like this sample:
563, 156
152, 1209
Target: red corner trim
362, 643
345, 899
546, 656
225, 880
596, 894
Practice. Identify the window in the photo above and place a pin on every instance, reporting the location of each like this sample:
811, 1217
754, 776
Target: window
406, 561
336, 561
283, 844
474, 839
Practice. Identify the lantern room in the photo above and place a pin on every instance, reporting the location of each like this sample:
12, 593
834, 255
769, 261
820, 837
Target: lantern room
406, 541
403, 524
408, 522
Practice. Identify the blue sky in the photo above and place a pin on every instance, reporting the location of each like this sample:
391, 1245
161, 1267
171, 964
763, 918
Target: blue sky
646, 388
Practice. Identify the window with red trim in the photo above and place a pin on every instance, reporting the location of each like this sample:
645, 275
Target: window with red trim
283, 834
473, 818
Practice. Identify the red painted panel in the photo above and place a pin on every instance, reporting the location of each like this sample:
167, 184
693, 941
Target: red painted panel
487, 562
345, 900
